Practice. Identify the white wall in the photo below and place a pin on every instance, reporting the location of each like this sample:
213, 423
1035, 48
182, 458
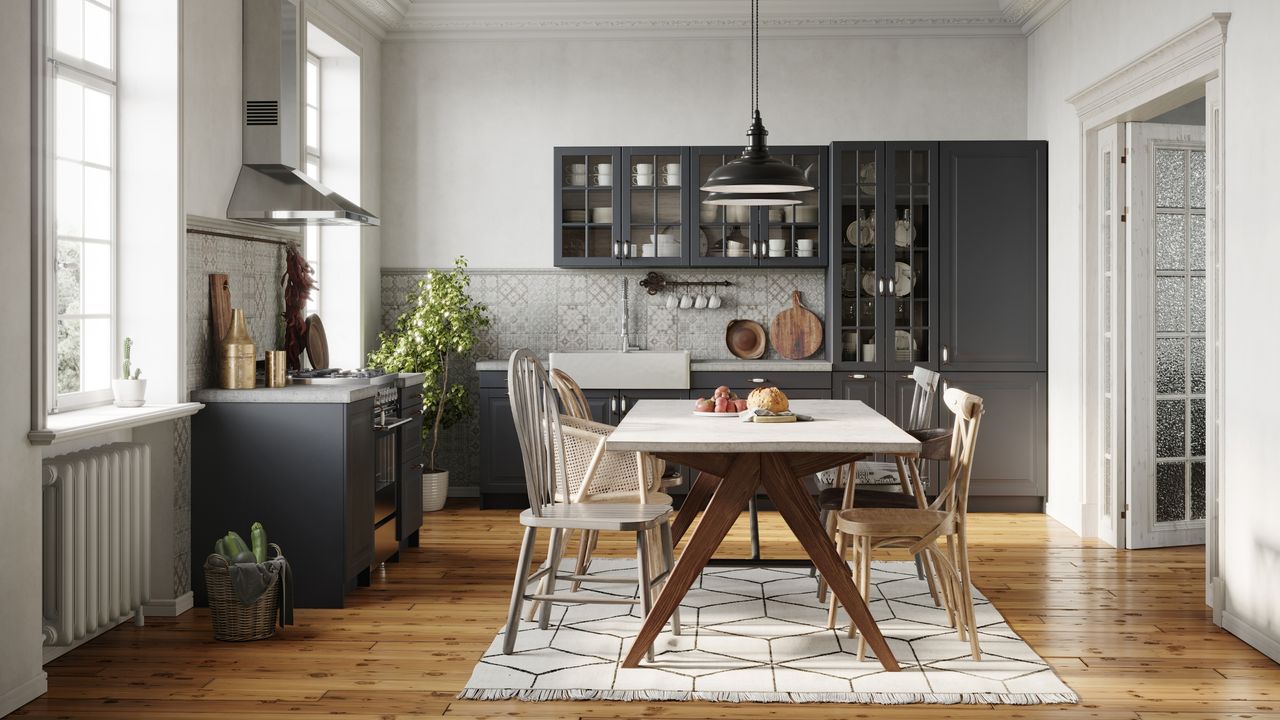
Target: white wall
1081, 44
21, 677
469, 126
210, 104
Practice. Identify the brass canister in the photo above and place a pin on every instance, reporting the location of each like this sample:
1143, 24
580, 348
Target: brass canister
237, 355
275, 368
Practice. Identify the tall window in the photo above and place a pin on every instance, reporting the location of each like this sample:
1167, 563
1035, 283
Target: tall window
80, 164
311, 246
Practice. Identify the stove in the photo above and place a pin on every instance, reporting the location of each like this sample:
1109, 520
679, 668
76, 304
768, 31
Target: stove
336, 376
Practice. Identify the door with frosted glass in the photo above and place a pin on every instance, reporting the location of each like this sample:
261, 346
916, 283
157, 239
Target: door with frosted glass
1165, 302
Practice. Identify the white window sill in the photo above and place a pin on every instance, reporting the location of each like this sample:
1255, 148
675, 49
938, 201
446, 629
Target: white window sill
61, 427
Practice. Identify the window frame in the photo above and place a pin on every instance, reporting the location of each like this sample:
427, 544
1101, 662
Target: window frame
311, 234
59, 65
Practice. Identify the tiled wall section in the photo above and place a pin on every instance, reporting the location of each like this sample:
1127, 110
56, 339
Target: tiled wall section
547, 310
182, 506
254, 270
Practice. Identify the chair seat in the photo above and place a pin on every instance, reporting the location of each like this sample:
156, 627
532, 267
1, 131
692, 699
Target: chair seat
892, 522
891, 496
615, 517
670, 481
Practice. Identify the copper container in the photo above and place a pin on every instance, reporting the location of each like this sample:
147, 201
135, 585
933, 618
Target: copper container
275, 368
236, 355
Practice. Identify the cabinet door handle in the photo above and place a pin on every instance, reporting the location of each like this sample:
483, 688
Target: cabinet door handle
946, 355
416, 466
624, 404
891, 286
420, 396
416, 413
880, 286
617, 251
613, 404
626, 249
860, 376
759, 380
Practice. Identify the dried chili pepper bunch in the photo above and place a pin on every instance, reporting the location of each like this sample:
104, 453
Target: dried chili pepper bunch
298, 284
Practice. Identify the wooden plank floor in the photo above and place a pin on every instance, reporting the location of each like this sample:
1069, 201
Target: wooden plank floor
1129, 631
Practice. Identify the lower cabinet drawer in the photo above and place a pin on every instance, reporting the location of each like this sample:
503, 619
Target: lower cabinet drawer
739, 381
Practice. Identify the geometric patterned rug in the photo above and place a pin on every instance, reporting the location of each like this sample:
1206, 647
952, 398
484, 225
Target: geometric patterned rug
758, 634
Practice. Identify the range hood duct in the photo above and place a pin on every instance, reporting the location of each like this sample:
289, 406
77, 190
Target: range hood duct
270, 189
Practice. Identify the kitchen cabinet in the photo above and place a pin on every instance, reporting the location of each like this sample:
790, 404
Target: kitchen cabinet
410, 462
882, 280
610, 212
305, 471
1010, 467
797, 385
501, 467
762, 236
994, 255
867, 387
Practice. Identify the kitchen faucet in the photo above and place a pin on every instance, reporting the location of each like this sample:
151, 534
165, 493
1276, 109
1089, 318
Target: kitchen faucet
626, 317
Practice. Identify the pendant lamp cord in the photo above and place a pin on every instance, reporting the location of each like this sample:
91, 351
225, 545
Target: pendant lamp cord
755, 57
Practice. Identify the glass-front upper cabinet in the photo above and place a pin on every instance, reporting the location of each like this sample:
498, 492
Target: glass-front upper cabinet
742, 235
655, 232
909, 265
586, 206
883, 229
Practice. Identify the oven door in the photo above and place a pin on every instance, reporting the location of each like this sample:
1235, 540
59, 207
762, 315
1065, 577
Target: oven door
385, 484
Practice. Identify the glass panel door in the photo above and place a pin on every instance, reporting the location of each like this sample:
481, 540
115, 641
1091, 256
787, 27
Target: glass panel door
908, 246
858, 281
793, 234
726, 233
654, 232
586, 200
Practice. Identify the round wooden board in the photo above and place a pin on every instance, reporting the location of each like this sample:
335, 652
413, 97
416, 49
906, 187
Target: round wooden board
317, 343
796, 333
774, 418
745, 339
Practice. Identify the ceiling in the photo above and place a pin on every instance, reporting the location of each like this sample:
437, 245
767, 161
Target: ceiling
490, 19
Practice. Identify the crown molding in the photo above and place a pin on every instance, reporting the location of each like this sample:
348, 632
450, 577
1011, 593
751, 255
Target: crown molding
495, 19
1030, 14
379, 17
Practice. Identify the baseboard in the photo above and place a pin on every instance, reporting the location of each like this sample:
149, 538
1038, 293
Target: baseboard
464, 492
170, 607
1260, 641
24, 693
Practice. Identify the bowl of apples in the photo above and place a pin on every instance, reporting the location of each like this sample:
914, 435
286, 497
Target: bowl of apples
724, 403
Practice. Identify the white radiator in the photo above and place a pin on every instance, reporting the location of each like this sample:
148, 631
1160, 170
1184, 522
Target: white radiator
97, 540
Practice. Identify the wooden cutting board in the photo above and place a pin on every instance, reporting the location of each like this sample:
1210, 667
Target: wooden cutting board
317, 343
219, 305
796, 333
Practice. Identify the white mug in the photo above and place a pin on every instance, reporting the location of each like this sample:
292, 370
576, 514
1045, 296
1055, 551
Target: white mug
605, 168
700, 302
671, 168
643, 169
642, 179
686, 302
804, 244
578, 169
670, 179
602, 214
672, 302
714, 301
869, 352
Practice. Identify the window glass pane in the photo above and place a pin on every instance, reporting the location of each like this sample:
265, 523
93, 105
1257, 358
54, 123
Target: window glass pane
67, 275
1170, 366
1197, 178
1197, 239
68, 356
1198, 302
1197, 365
97, 127
1171, 491
313, 127
69, 135
95, 352
313, 82
1171, 241
97, 203
70, 199
1171, 304
68, 28
313, 167
1170, 178
1197, 428
1197, 491
97, 35
95, 273
1171, 428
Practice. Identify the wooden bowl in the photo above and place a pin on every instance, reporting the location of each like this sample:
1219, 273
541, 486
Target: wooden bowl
745, 339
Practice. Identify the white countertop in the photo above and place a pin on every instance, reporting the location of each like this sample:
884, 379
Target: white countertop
841, 426
712, 365
288, 394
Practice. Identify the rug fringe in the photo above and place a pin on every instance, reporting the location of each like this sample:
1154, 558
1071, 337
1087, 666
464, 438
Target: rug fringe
550, 695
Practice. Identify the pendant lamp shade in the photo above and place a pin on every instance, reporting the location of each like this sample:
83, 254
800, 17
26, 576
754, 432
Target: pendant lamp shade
726, 198
756, 171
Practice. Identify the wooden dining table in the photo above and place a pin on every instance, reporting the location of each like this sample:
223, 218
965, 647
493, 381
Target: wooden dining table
737, 458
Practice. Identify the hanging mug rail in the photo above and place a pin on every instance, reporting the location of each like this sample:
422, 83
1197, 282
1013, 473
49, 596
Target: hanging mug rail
655, 283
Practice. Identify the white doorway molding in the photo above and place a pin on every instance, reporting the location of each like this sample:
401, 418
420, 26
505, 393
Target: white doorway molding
1186, 67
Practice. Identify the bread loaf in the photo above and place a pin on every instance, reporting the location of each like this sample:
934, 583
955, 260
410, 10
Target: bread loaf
768, 398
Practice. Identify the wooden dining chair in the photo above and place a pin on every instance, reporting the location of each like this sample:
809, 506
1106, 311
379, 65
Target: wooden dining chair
553, 447
866, 530
906, 470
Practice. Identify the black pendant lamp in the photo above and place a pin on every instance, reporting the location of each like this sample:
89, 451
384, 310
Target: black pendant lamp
755, 178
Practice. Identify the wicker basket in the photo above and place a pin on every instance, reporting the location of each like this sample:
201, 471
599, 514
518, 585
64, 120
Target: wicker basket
232, 621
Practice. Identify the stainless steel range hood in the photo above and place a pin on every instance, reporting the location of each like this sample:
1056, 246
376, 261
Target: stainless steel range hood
270, 189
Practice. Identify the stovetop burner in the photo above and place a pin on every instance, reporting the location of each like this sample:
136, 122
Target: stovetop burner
338, 376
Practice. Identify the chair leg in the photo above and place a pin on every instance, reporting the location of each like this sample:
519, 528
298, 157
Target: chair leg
645, 585
669, 561
842, 546
518, 590
962, 549
531, 610
864, 584
584, 557
923, 563
557, 551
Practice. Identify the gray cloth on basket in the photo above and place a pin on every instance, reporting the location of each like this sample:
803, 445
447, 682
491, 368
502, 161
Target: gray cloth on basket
251, 580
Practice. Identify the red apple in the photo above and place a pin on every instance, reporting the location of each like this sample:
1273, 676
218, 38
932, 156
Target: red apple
722, 404
704, 405
723, 391
740, 405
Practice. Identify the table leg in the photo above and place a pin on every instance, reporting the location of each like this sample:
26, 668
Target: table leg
730, 495
700, 492
796, 508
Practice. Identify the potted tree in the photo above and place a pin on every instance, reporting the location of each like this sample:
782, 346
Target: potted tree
441, 324
129, 389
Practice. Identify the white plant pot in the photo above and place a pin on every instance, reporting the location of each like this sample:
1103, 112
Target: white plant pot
435, 488
129, 393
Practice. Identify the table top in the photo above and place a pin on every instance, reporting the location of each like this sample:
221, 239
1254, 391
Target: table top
841, 426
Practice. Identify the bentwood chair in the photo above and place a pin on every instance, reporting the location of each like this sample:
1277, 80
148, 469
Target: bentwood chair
617, 479
550, 445
920, 530
876, 480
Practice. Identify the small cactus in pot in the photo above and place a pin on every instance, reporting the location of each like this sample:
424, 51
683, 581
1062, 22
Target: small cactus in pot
129, 389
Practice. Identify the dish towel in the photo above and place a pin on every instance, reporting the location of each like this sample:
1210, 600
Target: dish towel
251, 580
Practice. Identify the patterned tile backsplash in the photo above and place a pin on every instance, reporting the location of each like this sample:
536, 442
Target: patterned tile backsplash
253, 270
546, 310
